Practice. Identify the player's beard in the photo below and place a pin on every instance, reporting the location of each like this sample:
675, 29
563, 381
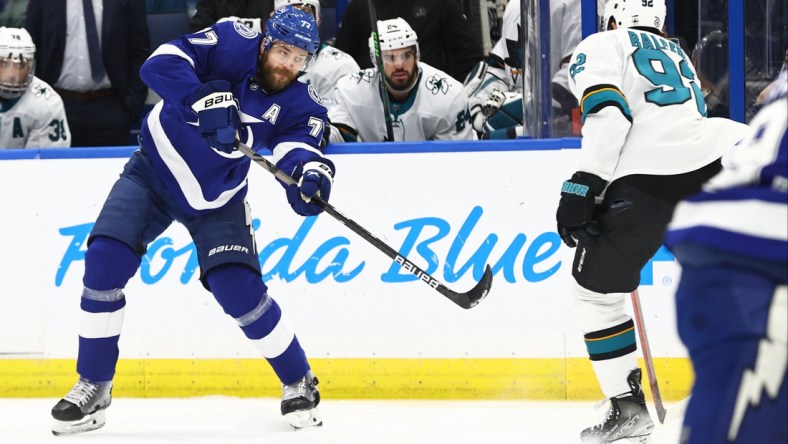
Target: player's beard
272, 77
397, 82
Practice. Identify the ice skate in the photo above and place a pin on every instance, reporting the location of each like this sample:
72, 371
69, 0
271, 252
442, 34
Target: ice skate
627, 419
299, 402
82, 409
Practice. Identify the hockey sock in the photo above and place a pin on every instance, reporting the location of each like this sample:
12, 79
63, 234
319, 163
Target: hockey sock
243, 295
609, 335
613, 355
109, 264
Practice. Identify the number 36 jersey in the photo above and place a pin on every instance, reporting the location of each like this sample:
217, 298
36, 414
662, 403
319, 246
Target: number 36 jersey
642, 107
37, 119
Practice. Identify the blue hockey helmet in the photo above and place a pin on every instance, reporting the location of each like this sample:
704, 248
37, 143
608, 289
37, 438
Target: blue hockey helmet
293, 27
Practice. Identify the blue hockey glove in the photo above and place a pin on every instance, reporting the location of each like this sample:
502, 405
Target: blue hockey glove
314, 179
575, 215
218, 115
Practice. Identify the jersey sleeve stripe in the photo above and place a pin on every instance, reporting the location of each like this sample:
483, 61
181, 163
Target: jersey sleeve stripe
168, 49
283, 148
600, 96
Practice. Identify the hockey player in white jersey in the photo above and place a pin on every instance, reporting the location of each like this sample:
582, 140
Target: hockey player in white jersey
31, 112
647, 143
425, 103
219, 84
495, 86
732, 302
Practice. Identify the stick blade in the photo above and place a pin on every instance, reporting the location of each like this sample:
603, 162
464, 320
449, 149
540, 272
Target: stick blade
475, 295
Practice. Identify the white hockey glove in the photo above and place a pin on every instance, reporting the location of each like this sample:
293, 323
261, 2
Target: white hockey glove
483, 109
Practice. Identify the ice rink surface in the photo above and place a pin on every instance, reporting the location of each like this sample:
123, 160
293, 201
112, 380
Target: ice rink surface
225, 420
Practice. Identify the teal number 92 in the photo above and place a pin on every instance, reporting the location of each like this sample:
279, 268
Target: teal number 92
670, 86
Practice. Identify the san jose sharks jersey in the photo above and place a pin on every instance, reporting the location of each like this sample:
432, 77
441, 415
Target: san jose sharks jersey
642, 108
564, 37
37, 119
330, 65
436, 109
289, 123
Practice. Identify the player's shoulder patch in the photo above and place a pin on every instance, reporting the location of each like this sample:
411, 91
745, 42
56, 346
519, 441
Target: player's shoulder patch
40, 89
365, 75
437, 83
244, 31
314, 95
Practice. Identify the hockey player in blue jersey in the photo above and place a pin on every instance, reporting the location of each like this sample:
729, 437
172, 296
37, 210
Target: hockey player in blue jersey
224, 82
732, 301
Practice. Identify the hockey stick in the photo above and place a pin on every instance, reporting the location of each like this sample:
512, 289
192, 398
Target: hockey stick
464, 300
649, 361
384, 94
677, 410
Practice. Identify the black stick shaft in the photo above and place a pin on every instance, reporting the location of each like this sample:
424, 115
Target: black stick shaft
464, 300
384, 94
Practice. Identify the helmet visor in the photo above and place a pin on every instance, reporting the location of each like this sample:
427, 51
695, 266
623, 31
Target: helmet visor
291, 56
398, 56
15, 75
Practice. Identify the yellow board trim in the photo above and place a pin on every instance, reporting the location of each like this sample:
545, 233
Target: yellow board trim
343, 378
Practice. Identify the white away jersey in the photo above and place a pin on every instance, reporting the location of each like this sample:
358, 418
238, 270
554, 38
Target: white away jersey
642, 107
35, 120
330, 65
564, 37
744, 209
436, 109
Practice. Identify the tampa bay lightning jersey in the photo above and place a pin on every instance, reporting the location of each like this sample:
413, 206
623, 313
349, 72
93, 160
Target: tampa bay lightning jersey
744, 209
289, 123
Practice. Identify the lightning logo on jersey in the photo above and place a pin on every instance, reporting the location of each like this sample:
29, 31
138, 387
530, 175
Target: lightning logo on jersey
770, 365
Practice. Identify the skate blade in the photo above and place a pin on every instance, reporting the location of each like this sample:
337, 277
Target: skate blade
86, 424
302, 419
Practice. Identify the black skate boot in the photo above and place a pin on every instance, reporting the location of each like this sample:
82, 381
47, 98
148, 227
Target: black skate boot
82, 409
627, 418
299, 402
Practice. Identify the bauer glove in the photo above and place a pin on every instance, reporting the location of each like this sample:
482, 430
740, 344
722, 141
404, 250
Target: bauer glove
313, 179
575, 215
217, 112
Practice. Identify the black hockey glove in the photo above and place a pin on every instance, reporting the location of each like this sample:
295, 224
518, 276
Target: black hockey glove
314, 179
575, 213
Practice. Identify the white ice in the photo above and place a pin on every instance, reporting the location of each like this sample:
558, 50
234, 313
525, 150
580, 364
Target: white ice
226, 420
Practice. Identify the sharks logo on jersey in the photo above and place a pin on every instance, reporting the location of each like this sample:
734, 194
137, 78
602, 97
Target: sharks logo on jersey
41, 90
437, 84
363, 76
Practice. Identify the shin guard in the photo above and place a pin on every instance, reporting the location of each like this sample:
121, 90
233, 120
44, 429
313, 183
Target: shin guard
109, 264
243, 295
